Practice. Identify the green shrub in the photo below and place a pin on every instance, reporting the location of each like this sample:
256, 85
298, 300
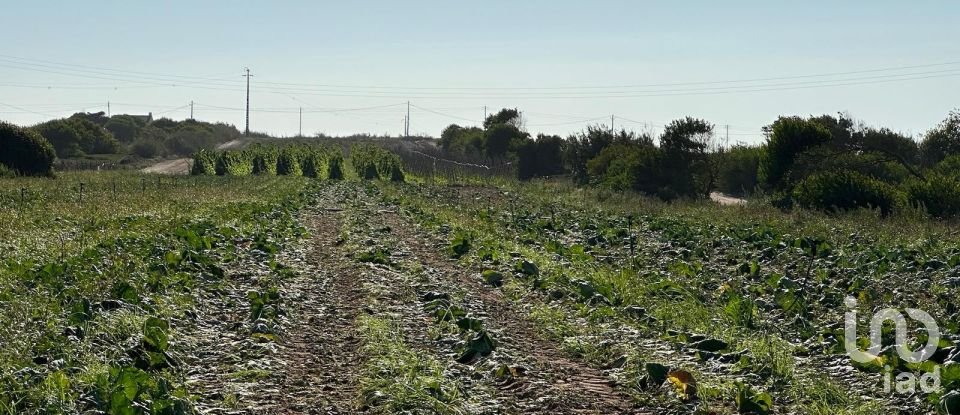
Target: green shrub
789, 136
313, 165
335, 167
146, 148
233, 163
61, 134
737, 169
25, 152
204, 163
939, 194
845, 190
633, 166
6, 172
288, 163
264, 161
374, 162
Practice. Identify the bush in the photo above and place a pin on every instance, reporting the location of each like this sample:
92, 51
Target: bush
94, 139
374, 162
335, 167
6, 172
64, 138
737, 170
146, 148
233, 163
942, 141
828, 158
264, 160
845, 190
313, 165
288, 163
204, 163
25, 152
123, 127
788, 138
540, 157
627, 167
939, 194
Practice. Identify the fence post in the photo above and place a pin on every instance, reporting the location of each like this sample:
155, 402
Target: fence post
81, 193
23, 197
143, 185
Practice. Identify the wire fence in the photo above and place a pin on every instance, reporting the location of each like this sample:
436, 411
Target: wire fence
436, 164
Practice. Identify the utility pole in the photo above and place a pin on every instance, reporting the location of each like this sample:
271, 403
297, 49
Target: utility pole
613, 131
191, 109
108, 109
246, 130
484, 113
726, 142
406, 131
300, 134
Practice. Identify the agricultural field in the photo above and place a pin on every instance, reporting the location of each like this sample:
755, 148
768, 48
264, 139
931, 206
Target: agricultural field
295, 280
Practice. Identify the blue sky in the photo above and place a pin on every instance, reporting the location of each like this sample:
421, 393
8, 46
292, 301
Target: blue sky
452, 58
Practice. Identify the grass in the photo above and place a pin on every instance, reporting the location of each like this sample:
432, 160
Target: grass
397, 378
81, 277
682, 263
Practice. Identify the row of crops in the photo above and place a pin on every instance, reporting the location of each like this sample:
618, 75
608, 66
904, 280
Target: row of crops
374, 162
370, 162
324, 162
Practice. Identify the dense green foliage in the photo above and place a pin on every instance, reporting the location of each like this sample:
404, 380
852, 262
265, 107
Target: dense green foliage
95, 133
677, 167
266, 160
540, 157
942, 141
939, 194
845, 190
374, 162
737, 169
789, 137
25, 152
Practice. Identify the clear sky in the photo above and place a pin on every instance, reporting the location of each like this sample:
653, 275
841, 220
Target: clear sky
560, 62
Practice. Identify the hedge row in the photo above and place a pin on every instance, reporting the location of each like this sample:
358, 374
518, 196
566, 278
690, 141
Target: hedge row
374, 162
311, 161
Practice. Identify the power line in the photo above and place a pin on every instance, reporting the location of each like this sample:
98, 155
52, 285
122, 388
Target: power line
568, 123
443, 114
205, 83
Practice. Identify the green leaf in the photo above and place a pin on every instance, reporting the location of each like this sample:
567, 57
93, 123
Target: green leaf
752, 402
493, 278
527, 268
155, 334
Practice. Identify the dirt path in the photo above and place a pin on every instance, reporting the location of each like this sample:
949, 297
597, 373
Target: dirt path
551, 383
727, 200
320, 351
316, 362
311, 364
177, 166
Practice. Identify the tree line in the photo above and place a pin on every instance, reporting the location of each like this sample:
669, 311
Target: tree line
828, 162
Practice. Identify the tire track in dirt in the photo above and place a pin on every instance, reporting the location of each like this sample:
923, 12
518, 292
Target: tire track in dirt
313, 366
554, 383
320, 352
